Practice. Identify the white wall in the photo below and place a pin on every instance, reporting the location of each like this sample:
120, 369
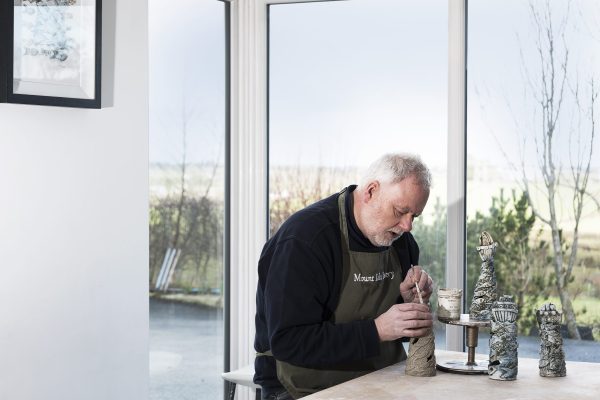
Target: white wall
74, 234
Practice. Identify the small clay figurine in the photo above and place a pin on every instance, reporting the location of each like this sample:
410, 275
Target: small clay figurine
421, 358
421, 352
485, 288
552, 355
504, 362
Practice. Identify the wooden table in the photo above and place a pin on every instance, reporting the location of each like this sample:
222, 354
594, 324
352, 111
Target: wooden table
582, 382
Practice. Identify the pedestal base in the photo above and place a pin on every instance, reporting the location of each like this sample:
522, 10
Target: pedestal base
462, 367
471, 365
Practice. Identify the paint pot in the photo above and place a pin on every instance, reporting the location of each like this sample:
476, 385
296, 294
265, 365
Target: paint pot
449, 302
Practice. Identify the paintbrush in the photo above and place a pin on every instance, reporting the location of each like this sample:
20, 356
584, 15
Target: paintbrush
417, 286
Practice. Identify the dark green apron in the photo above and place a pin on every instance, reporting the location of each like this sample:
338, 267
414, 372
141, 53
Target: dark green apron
370, 286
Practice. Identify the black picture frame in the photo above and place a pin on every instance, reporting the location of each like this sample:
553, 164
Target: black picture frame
61, 58
4, 19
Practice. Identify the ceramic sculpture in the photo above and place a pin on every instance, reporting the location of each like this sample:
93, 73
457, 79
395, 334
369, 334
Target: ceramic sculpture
552, 355
485, 288
421, 358
504, 362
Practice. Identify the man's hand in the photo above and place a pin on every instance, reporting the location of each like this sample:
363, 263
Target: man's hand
404, 320
408, 291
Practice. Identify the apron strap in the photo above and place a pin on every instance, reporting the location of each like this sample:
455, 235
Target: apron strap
345, 242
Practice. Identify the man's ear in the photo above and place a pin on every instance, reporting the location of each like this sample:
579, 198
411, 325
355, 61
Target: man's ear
370, 190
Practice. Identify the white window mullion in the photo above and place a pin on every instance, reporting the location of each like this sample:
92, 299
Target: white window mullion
455, 237
248, 172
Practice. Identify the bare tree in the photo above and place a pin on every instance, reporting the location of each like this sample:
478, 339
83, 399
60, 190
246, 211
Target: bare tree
293, 188
185, 218
554, 91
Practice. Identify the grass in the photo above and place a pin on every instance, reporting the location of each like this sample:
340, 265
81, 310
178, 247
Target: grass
587, 312
587, 309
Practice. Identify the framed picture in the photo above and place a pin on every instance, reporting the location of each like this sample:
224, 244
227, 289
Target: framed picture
53, 52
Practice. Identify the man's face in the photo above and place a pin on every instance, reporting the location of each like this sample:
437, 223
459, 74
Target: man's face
391, 208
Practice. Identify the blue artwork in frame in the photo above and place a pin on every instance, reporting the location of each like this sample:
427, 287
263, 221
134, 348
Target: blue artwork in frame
52, 53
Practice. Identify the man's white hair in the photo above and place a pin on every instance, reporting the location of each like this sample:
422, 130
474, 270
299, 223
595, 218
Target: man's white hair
392, 168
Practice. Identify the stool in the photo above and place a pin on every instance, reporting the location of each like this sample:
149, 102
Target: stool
242, 376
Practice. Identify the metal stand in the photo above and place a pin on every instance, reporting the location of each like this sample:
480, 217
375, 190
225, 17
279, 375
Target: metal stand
471, 366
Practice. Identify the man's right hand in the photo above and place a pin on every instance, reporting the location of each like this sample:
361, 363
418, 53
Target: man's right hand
404, 320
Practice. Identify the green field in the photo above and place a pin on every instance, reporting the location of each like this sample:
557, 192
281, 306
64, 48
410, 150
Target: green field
587, 311
200, 268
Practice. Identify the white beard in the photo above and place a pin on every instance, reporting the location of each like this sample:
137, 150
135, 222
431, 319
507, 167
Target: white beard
384, 239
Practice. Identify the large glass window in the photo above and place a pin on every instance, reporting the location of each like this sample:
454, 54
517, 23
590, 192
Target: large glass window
187, 132
348, 82
533, 164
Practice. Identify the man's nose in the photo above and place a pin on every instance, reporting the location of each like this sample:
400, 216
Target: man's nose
405, 223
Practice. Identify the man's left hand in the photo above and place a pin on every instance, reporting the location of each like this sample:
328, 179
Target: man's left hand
408, 291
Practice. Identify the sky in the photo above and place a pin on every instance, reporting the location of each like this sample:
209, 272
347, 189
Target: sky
504, 114
187, 66
351, 80
504, 72
368, 69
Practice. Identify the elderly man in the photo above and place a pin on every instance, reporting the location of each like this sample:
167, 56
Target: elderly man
336, 291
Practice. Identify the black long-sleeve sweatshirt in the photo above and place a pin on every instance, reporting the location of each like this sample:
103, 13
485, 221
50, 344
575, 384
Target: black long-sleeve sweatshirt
300, 271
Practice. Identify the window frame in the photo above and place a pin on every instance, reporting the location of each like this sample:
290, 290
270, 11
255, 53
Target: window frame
248, 166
